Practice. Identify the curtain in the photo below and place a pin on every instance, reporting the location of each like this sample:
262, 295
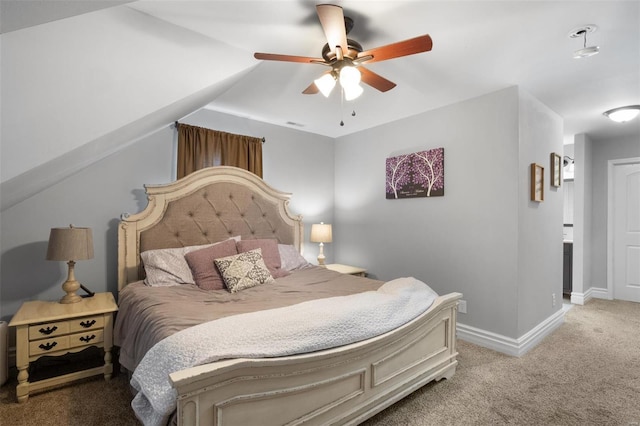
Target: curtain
199, 148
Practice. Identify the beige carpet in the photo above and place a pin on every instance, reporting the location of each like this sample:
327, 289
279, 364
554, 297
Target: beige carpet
585, 373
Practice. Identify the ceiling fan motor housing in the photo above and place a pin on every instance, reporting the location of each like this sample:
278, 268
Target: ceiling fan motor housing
352, 52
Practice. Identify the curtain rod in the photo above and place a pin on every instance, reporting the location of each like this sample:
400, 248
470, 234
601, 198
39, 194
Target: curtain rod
177, 124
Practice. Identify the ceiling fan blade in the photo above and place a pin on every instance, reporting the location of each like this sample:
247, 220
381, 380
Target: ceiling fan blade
287, 58
375, 80
311, 90
396, 50
332, 21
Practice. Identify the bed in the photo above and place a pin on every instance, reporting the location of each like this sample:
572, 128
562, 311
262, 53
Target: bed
341, 384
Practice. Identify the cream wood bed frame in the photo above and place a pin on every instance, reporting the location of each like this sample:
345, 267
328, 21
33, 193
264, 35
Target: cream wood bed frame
344, 385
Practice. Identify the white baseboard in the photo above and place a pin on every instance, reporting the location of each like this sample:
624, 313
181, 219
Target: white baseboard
600, 293
508, 345
581, 298
592, 292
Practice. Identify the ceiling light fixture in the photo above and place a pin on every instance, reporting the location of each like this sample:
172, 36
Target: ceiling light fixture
349, 78
623, 114
585, 52
325, 84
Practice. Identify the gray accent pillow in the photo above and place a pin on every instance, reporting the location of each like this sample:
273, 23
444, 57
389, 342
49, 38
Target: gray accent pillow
168, 267
291, 258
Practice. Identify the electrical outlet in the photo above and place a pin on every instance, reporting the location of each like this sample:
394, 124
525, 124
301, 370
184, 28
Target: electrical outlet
462, 306
553, 300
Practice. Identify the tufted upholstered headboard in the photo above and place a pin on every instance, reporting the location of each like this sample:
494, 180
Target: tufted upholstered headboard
204, 207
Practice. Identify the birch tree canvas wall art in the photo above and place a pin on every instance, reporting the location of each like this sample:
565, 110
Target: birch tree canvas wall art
419, 174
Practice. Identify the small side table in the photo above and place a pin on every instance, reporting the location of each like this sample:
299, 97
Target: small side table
55, 329
346, 269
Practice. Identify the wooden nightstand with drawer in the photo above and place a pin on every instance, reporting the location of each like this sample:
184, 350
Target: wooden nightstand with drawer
347, 269
55, 329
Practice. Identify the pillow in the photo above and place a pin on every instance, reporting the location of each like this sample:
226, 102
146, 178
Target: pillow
244, 270
205, 273
291, 258
270, 254
168, 267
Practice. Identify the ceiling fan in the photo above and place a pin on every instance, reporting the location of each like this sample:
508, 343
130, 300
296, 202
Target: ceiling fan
345, 57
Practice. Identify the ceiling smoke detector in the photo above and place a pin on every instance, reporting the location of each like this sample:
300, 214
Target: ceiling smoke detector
585, 52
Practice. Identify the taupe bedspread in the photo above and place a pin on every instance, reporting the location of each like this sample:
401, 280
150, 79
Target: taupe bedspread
149, 314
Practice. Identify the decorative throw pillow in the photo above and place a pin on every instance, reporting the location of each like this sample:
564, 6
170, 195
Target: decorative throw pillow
291, 258
168, 267
244, 270
270, 254
205, 273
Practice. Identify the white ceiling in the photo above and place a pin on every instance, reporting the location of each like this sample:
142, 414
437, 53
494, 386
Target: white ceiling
478, 47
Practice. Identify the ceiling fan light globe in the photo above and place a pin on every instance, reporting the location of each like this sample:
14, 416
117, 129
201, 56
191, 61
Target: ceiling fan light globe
325, 84
352, 92
349, 77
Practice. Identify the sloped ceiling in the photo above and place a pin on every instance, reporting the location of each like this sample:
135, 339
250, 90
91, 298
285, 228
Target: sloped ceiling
73, 75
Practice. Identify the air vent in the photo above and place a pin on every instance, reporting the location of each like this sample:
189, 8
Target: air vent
292, 123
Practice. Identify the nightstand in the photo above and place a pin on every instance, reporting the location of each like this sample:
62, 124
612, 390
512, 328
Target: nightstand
55, 329
346, 269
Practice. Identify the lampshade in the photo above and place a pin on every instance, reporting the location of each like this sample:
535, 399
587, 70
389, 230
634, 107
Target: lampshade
325, 84
349, 77
70, 244
321, 233
352, 92
623, 114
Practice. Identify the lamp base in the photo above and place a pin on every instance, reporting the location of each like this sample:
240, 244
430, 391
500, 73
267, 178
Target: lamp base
321, 255
70, 287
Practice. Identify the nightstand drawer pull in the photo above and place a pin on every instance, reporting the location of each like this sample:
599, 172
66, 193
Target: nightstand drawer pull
87, 339
48, 346
47, 331
87, 324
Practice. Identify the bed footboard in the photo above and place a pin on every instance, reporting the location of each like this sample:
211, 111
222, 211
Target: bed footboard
344, 385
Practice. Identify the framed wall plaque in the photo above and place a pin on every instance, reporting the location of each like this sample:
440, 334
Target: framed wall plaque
537, 182
556, 170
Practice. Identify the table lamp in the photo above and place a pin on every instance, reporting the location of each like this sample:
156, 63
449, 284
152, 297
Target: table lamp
70, 244
321, 233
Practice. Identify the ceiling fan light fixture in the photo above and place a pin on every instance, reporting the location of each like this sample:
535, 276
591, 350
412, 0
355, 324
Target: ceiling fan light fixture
623, 114
352, 92
349, 76
325, 84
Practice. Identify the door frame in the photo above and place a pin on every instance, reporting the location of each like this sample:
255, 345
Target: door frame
610, 166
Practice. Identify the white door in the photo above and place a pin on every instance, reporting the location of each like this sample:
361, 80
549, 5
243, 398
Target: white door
626, 230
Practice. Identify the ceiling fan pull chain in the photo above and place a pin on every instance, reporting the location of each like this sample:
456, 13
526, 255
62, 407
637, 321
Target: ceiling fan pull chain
341, 106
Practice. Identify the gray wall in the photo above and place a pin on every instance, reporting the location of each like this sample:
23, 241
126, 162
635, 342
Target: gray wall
474, 239
602, 152
294, 161
471, 240
94, 197
540, 247
582, 224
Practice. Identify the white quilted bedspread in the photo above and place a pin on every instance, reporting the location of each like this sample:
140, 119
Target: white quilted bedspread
305, 327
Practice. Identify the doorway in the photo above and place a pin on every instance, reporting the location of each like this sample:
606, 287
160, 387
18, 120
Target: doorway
623, 243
